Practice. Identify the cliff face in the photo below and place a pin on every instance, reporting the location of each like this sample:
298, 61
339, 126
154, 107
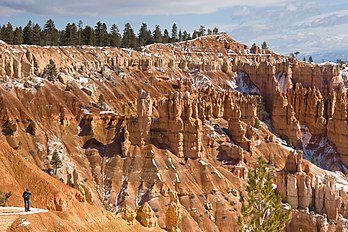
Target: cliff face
178, 123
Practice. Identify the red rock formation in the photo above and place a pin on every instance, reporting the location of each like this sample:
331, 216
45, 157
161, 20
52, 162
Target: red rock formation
189, 130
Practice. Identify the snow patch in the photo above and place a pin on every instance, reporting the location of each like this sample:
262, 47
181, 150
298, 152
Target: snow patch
203, 162
86, 111
154, 164
25, 222
243, 84
108, 112
159, 177
282, 80
171, 163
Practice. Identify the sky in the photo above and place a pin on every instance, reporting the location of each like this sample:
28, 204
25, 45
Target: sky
307, 26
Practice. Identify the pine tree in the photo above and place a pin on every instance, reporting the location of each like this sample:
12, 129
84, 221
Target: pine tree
101, 101
310, 59
7, 33
56, 161
50, 34
101, 34
201, 30
28, 33
180, 36
263, 211
215, 31
51, 71
157, 34
264, 45
209, 32
88, 36
174, 33
80, 32
17, 36
144, 36
115, 37
166, 37
194, 34
185, 36
37, 35
129, 40
70, 36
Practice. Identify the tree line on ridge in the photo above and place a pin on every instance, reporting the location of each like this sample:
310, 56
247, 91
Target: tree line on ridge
99, 35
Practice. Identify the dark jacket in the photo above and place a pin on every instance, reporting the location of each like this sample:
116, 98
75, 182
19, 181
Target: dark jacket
26, 195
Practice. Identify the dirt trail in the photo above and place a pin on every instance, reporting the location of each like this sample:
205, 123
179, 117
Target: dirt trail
9, 214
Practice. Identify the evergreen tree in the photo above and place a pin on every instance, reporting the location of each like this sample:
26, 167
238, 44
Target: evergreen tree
174, 33
37, 35
263, 210
215, 31
56, 161
70, 35
88, 37
180, 36
195, 34
18, 36
185, 36
201, 30
79, 32
115, 37
310, 59
101, 101
50, 34
1, 32
209, 32
296, 54
157, 34
129, 40
28, 33
304, 59
51, 71
101, 34
166, 37
264, 45
144, 36
7, 33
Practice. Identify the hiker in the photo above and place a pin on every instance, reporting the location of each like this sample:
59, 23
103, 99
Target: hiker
26, 197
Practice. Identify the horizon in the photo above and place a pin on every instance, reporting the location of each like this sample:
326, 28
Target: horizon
310, 27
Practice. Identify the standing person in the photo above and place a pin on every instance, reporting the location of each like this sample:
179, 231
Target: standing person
26, 197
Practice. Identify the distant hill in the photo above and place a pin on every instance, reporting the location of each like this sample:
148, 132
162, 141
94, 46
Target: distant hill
327, 56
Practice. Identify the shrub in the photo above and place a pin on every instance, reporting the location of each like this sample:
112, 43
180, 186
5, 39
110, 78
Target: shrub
4, 198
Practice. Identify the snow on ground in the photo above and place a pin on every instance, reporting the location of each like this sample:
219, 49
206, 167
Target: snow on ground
282, 80
320, 152
20, 211
25, 222
154, 164
86, 111
203, 162
201, 81
108, 112
171, 163
243, 84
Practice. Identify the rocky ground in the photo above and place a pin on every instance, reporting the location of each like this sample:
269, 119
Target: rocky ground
162, 138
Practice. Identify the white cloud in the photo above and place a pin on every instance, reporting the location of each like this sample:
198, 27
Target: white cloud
126, 8
291, 7
243, 12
